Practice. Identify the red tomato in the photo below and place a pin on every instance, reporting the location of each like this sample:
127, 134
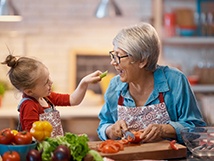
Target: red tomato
123, 141
6, 136
110, 148
172, 145
23, 137
119, 145
11, 156
137, 137
101, 145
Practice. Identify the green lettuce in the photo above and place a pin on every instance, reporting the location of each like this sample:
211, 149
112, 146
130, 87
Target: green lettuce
78, 145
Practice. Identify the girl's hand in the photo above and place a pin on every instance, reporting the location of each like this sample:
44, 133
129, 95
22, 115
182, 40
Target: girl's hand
92, 78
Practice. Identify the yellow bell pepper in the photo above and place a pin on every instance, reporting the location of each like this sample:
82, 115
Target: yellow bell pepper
41, 130
14, 132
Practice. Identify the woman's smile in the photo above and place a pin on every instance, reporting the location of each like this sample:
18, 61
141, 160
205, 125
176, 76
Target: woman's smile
120, 72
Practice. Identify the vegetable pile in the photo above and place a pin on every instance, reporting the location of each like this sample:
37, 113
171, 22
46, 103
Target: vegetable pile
65, 148
8, 137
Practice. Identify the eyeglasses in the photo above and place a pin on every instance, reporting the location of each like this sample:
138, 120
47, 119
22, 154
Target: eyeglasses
115, 57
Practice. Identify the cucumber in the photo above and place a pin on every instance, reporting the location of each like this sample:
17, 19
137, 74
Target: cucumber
104, 74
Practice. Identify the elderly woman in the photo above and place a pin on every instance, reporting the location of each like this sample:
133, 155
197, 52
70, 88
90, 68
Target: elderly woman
157, 100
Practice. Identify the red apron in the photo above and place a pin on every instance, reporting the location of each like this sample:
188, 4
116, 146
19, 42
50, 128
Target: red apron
140, 117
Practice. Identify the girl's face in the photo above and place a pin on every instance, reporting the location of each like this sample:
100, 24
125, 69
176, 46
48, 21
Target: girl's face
43, 84
127, 68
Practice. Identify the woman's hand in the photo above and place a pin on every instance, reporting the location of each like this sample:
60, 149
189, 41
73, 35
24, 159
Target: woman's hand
114, 130
157, 132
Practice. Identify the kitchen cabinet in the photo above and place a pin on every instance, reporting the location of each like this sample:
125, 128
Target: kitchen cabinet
176, 47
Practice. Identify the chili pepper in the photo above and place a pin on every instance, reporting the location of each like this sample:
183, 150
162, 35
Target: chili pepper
41, 130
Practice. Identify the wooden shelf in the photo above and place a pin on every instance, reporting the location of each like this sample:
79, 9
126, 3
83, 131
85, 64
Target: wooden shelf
189, 40
203, 88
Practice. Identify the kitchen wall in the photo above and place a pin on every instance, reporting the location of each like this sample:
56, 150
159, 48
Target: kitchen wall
52, 29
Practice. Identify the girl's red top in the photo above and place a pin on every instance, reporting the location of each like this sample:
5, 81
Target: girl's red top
30, 108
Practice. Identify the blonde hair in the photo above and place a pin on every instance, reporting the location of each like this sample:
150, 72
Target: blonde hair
23, 71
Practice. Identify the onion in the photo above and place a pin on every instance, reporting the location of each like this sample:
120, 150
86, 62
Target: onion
34, 155
61, 153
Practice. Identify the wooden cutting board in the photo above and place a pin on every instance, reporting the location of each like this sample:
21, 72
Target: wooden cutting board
158, 151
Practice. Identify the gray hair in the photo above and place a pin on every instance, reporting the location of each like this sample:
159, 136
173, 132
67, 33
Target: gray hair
141, 41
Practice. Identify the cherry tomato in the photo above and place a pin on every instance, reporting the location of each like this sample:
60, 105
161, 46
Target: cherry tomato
11, 156
23, 137
172, 145
6, 136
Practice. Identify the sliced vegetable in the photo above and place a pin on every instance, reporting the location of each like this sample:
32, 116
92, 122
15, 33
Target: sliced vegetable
41, 130
172, 145
104, 74
123, 141
110, 146
137, 138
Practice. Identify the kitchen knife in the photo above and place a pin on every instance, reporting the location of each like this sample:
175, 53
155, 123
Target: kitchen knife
127, 134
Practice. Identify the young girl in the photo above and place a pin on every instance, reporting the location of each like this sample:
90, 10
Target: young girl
32, 78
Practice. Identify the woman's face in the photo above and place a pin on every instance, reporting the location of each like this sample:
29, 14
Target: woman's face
43, 84
127, 68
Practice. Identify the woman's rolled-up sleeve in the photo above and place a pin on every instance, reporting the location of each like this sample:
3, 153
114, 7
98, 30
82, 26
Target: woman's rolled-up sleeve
108, 113
186, 112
